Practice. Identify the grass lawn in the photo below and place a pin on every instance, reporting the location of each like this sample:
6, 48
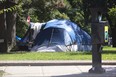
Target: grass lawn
1, 73
107, 54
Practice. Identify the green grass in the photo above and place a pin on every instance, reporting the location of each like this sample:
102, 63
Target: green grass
108, 48
46, 56
1, 73
107, 54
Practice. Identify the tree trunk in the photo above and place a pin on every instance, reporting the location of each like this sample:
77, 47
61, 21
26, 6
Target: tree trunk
7, 28
3, 40
11, 29
11, 26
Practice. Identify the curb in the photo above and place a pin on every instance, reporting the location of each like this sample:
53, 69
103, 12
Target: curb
52, 63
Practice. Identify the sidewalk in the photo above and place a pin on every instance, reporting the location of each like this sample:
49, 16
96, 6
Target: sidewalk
53, 62
67, 68
55, 71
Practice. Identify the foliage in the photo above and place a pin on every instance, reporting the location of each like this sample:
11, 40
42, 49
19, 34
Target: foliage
112, 15
14, 7
104, 4
6, 8
77, 14
45, 10
22, 14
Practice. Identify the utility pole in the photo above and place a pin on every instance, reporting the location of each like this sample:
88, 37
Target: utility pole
97, 27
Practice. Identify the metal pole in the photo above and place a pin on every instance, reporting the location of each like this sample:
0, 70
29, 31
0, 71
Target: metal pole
50, 41
96, 59
97, 41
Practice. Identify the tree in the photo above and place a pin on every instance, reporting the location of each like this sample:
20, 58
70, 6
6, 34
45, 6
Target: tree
39, 11
22, 13
106, 5
77, 14
11, 25
2, 44
8, 17
50, 9
112, 19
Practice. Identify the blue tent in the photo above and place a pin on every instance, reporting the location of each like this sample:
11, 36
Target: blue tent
58, 34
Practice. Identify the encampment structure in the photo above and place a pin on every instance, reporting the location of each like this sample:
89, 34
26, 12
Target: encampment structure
57, 35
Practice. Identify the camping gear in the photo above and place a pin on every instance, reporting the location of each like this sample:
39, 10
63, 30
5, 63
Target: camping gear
59, 35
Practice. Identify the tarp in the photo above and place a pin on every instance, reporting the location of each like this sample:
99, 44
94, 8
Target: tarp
61, 35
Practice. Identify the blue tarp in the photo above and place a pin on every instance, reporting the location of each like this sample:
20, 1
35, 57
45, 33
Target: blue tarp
62, 24
75, 32
64, 32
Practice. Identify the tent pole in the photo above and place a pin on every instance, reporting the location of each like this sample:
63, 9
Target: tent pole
51, 37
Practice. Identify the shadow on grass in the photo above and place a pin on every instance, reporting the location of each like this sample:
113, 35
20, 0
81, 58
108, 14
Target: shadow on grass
78, 53
16, 52
90, 53
67, 53
109, 52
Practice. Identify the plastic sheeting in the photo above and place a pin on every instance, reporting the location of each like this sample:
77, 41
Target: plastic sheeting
57, 35
62, 35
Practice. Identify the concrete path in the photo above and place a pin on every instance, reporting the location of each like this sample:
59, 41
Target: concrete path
53, 62
55, 71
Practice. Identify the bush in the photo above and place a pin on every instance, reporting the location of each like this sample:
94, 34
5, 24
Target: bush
112, 15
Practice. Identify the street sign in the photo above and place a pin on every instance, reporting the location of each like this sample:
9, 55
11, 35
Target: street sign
106, 33
99, 32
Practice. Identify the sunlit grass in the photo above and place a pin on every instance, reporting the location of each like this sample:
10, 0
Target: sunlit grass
107, 54
108, 48
46, 56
